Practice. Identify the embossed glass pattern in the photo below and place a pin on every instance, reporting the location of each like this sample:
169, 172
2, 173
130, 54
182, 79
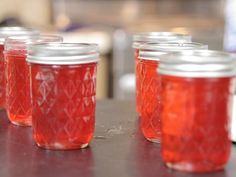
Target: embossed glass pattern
150, 100
4, 33
197, 89
153, 37
195, 115
2, 77
63, 86
18, 101
149, 84
63, 105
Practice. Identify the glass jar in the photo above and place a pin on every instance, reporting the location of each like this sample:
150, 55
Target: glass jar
196, 101
233, 122
149, 90
4, 33
63, 86
152, 37
18, 102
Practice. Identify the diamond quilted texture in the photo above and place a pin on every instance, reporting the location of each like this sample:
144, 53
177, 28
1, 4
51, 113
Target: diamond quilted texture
2, 77
194, 123
18, 89
63, 102
150, 96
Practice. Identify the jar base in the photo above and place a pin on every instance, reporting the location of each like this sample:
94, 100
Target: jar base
59, 146
22, 124
189, 167
154, 140
20, 120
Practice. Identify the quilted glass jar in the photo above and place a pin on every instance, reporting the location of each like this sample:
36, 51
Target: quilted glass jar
18, 102
4, 33
63, 87
149, 90
152, 37
196, 101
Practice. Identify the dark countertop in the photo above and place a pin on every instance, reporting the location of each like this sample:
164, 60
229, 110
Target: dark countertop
117, 150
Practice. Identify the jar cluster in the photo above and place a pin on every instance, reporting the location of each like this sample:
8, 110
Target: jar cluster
49, 85
184, 96
184, 93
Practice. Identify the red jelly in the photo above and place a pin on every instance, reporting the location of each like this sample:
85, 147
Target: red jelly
149, 90
63, 83
2, 78
151, 37
4, 33
150, 99
196, 95
18, 101
18, 94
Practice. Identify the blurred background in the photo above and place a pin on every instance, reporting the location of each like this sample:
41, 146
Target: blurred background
111, 23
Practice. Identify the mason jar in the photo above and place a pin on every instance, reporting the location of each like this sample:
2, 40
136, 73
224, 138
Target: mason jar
4, 33
18, 102
63, 88
149, 90
196, 101
152, 37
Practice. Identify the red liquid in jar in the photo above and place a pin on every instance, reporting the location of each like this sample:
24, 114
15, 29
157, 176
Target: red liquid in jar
150, 98
137, 74
2, 77
63, 105
18, 88
195, 113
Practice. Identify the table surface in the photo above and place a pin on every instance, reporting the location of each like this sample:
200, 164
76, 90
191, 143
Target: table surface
118, 150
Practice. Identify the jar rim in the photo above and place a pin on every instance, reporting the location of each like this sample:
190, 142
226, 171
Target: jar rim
159, 37
153, 51
198, 63
21, 42
63, 53
16, 31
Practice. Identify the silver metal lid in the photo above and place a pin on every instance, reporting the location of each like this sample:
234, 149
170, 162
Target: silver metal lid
198, 63
21, 42
159, 37
63, 53
16, 31
153, 51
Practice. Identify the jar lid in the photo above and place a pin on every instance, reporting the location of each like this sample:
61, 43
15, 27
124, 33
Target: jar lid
63, 53
16, 31
198, 63
153, 51
159, 37
21, 42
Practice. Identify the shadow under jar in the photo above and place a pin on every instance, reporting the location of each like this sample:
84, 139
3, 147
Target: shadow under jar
4, 33
18, 101
196, 98
152, 37
63, 86
149, 90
